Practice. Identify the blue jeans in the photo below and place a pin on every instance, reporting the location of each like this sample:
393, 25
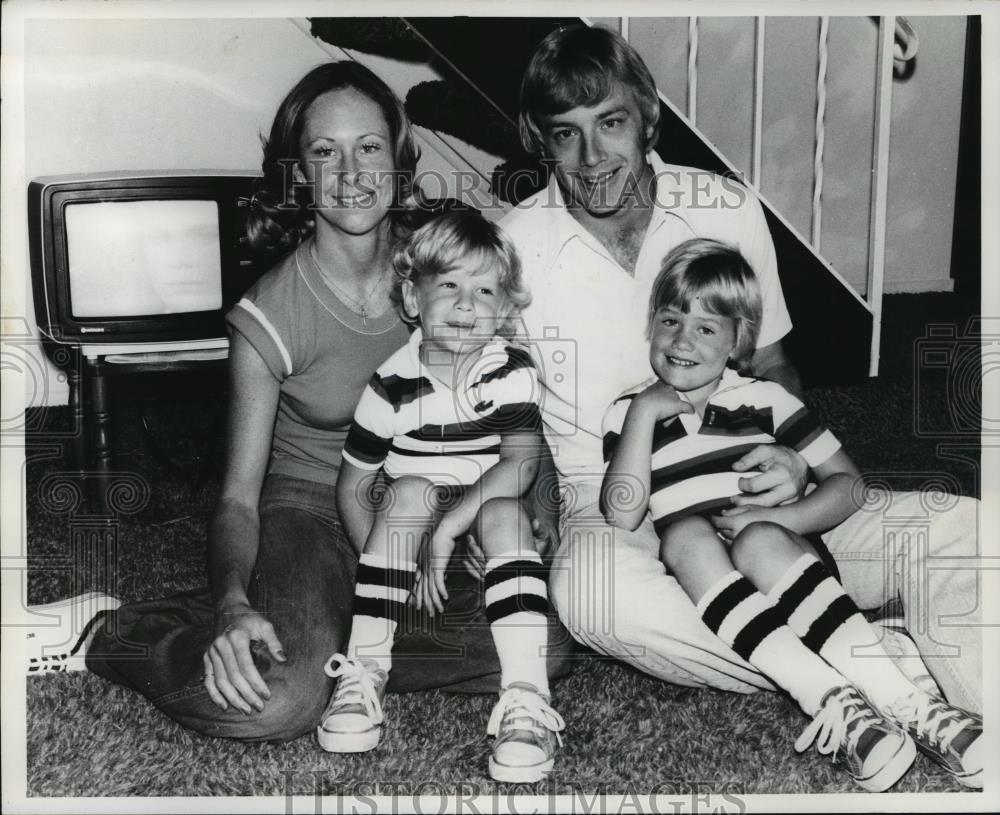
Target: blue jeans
303, 582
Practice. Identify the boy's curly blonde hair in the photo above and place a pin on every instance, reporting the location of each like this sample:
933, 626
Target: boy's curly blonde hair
455, 237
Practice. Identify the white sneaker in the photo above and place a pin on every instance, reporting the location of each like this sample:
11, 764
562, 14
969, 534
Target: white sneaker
873, 750
60, 645
527, 735
352, 721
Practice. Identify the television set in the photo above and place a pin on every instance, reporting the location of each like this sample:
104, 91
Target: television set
144, 259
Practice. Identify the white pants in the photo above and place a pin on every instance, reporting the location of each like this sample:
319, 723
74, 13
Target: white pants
614, 595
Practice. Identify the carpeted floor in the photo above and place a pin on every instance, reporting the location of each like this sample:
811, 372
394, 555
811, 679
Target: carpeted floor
626, 732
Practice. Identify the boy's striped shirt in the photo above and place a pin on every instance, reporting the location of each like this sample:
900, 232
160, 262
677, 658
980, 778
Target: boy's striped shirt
412, 424
692, 458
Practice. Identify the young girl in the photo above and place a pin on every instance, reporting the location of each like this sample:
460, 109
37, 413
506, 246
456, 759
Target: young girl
766, 590
451, 422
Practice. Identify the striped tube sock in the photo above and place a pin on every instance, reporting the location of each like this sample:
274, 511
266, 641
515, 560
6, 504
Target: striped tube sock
516, 606
817, 608
743, 618
383, 587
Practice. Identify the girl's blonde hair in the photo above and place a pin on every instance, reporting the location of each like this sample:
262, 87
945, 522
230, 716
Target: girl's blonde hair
720, 277
457, 237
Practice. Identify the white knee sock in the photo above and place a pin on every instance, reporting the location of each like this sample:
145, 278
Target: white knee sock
383, 587
744, 619
516, 606
817, 608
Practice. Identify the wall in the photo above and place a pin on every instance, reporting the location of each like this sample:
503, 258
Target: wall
923, 148
128, 94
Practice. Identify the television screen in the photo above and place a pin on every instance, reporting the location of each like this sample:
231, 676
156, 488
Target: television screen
132, 258
137, 258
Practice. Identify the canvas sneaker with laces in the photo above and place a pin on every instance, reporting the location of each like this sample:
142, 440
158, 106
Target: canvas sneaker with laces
949, 735
352, 721
59, 644
874, 751
527, 735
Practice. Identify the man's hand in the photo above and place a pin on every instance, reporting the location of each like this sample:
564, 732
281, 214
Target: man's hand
231, 678
781, 476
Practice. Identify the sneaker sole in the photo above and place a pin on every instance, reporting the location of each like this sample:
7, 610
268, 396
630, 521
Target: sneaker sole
893, 770
520, 775
348, 742
972, 780
86, 597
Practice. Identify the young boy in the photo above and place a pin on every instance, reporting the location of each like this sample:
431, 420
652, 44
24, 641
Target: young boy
757, 582
451, 422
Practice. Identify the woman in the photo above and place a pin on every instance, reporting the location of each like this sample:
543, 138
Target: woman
245, 659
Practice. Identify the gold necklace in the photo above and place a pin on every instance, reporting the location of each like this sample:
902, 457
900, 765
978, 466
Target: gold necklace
358, 306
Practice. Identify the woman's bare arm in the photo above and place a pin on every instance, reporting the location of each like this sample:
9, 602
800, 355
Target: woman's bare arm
234, 536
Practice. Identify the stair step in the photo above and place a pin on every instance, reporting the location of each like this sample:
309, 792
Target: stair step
383, 36
461, 112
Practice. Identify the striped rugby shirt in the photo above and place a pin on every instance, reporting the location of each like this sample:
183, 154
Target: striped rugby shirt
692, 457
412, 424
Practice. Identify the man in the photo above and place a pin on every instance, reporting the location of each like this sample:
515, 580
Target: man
591, 243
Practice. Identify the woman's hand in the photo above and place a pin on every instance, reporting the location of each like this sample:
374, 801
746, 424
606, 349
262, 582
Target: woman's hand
231, 678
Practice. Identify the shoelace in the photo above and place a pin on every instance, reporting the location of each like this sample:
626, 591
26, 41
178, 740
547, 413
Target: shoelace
520, 709
932, 717
356, 686
834, 722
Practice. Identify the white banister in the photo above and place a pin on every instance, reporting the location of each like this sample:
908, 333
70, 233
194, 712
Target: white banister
758, 101
692, 73
817, 202
880, 182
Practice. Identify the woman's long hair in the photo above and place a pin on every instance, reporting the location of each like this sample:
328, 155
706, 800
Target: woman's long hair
281, 216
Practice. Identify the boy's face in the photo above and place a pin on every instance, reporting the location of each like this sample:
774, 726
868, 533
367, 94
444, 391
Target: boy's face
690, 351
460, 310
599, 152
